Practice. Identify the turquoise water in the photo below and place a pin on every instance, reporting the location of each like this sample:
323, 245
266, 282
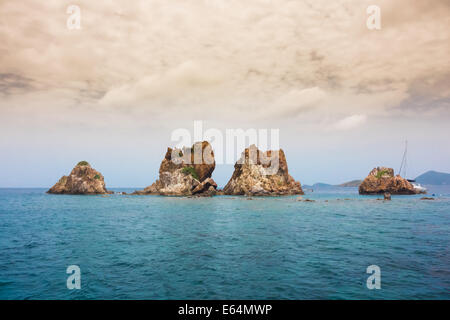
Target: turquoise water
153, 247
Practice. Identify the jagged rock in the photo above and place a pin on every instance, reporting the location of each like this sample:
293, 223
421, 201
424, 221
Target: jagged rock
382, 180
205, 186
185, 172
82, 180
260, 173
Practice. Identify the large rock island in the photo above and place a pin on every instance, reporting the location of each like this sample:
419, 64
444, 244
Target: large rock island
82, 180
382, 180
260, 173
185, 172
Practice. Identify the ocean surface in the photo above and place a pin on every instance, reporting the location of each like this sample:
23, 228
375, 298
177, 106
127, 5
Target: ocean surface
150, 247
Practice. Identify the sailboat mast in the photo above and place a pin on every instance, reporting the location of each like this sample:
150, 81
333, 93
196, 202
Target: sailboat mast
404, 160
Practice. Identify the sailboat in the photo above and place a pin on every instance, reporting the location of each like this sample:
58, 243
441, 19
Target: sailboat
403, 166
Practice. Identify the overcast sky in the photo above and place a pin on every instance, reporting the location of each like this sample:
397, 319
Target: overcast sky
344, 97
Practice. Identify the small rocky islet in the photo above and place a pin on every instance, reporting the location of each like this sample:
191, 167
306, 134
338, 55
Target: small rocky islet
259, 173
83, 179
185, 172
381, 180
188, 172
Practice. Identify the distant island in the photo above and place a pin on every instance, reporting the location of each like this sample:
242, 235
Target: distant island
350, 184
317, 185
320, 185
434, 178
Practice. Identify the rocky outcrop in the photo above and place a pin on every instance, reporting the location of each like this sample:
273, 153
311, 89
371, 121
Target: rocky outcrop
185, 172
259, 173
382, 180
82, 180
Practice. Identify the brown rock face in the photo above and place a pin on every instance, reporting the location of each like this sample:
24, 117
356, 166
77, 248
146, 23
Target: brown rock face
82, 180
185, 172
381, 180
260, 173
208, 186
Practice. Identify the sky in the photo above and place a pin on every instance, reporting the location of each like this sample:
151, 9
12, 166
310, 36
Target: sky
344, 97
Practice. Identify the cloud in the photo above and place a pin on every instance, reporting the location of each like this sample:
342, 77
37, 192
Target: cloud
297, 101
11, 83
351, 122
229, 60
177, 82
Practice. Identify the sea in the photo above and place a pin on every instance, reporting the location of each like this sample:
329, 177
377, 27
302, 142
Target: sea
225, 247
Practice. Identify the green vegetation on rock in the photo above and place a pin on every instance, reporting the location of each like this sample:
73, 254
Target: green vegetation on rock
382, 173
83, 163
97, 177
191, 171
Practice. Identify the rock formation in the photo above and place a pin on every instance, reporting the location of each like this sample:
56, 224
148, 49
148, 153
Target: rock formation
82, 180
382, 180
185, 172
259, 173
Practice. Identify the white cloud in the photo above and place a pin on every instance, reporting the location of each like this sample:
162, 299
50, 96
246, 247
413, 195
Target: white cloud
250, 61
351, 122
